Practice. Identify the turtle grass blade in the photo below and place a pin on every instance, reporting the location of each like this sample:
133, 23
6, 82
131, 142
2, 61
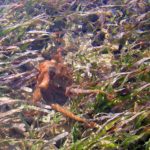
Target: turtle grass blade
94, 139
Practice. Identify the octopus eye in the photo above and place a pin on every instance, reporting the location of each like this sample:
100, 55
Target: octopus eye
52, 71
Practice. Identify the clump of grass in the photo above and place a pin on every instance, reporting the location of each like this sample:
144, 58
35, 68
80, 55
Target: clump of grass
106, 44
